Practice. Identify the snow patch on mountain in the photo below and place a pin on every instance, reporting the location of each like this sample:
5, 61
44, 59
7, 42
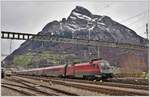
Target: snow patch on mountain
100, 26
80, 16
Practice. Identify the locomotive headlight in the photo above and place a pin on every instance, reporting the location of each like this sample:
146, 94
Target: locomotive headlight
98, 75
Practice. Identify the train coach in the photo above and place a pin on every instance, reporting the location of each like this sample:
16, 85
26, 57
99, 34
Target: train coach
94, 70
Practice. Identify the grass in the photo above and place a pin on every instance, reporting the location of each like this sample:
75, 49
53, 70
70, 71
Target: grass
22, 59
32, 58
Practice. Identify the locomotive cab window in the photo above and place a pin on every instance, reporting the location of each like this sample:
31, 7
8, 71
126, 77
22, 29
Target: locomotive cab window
105, 65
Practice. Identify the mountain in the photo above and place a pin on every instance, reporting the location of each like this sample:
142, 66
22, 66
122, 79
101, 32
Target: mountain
81, 21
82, 24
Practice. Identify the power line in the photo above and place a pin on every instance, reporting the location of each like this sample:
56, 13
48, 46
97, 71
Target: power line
83, 0
139, 14
143, 25
138, 20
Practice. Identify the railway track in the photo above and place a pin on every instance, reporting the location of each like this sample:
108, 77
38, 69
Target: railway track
109, 83
22, 91
129, 81
26, 90
102, 88
115, 84
42, 90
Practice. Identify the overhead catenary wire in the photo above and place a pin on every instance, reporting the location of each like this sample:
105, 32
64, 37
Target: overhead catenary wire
132, 17
87, 0
137, 28
140, 19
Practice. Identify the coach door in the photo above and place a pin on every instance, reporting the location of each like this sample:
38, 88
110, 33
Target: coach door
65, 69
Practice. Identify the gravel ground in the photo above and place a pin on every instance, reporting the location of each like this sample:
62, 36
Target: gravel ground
130, 80
9, 92
80, 92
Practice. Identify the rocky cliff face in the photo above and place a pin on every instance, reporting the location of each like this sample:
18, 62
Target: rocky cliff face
81, 23
131, 62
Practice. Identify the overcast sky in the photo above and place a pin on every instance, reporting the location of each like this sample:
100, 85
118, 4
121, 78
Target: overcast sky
32, 16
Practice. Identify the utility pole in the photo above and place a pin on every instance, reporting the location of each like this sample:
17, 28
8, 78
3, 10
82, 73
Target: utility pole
88, 26
93, 23
10, 46
98, 53
147, 30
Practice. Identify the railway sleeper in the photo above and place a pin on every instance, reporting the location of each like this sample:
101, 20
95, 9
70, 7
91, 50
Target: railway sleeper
33, 87
103, 89
28, 83
18, 90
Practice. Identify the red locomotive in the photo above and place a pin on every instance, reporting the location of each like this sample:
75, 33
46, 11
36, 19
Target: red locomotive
95, 69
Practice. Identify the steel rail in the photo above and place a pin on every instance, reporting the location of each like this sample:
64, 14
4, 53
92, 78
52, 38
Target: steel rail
32, 85
99, 88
